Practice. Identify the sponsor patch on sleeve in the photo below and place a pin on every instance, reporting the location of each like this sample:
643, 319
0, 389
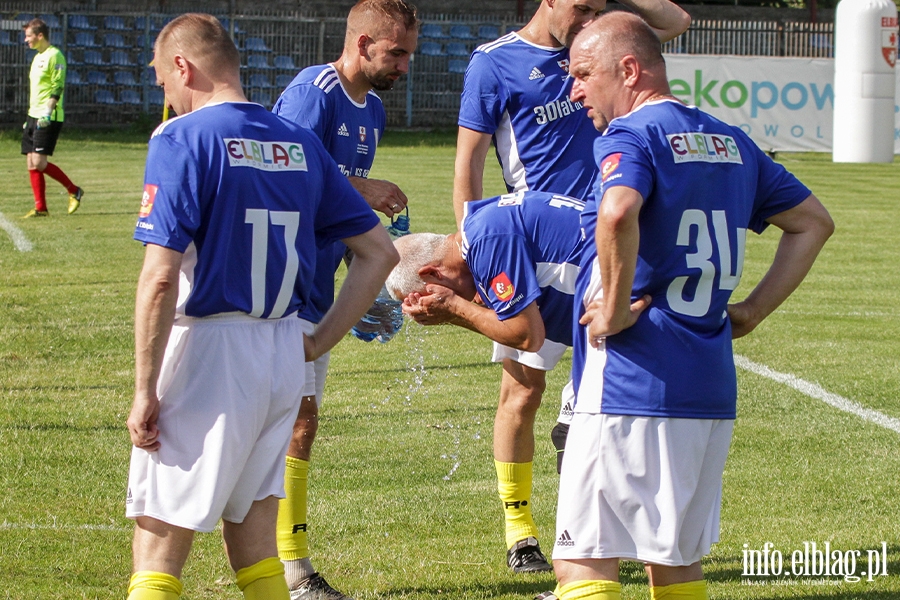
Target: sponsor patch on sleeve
147, 199
503, 287
609, 164
704, 147
265, 156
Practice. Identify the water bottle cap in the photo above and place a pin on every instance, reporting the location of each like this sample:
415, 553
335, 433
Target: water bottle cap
401, 221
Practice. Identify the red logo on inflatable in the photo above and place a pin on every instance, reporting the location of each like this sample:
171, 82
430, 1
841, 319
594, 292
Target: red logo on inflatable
889, 45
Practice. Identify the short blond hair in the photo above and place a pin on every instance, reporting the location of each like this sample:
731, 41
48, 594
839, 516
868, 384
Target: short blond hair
201, 39
378, 19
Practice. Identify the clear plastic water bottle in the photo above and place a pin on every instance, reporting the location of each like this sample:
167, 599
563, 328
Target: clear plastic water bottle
385, 318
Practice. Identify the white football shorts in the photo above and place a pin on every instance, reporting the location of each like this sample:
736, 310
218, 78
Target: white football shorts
543, 360
641, 488
316, 371
229, 391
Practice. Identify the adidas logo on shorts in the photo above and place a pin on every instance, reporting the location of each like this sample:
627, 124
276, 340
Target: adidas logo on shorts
567, 410
342, 130
535, 74
565, 539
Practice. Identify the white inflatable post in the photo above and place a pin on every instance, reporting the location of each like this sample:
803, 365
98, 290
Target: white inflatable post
864, 81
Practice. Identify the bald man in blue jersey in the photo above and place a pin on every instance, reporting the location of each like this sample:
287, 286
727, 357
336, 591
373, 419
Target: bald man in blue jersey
653, 366
234, 201
516, 94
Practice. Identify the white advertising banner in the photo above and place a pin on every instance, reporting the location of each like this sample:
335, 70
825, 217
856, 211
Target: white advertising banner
784, 104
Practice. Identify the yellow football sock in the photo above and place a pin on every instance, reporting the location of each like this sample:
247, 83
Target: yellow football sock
151, 585
293, 543
514, 487
263, 581
590, 590
692, 590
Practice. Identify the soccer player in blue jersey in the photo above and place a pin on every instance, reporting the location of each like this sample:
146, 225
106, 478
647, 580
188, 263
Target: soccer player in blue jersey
337, 101
519, 253
234, 202
653, 365
516, 93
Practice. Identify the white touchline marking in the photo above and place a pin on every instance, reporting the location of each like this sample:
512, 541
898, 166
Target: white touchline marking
17, 235
814, 391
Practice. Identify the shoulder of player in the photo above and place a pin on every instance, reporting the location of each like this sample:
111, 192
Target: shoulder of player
501, 42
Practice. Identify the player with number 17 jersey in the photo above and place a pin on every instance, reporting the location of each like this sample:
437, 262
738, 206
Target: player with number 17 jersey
689, 265
248, 246
518, 92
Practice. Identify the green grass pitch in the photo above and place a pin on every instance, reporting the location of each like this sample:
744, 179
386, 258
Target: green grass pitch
403, 502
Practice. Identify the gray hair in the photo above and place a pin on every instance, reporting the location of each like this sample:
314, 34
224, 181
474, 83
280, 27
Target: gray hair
416, 251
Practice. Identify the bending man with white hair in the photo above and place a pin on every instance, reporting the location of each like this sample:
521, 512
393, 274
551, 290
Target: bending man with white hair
520, 254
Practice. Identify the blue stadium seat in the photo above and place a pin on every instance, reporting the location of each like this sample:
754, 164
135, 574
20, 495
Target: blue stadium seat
80, 22
285, 62
121, 58
461, 32
52, 21
115, 23
93, 57
226, 23
124, 78
104, 97
258, 80
431, 49
115, 40
73, 77
146, 42
283, 80
85, 40
6, 40
457, 66
457, 49
24, 17
261, 97
257, 61
57, 38
130, 97
255, 44
97, 78
71, 60
431, 30
157, 96
511, 28
488, 32
140, 24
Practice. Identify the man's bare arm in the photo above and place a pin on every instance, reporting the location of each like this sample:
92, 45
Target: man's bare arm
468, 179
154, 314
806, 228
667, 19
373, 258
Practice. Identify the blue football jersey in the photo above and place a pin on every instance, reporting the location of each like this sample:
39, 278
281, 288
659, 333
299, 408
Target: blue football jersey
350, 132
245, 196
704, 184
519, 93
525, 247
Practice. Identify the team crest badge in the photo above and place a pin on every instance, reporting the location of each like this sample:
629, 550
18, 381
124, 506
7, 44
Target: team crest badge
503, 287
563, 64
889, 44
362, 134
609, 164
147, 199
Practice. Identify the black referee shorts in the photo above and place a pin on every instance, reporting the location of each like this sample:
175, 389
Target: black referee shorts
40, 140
